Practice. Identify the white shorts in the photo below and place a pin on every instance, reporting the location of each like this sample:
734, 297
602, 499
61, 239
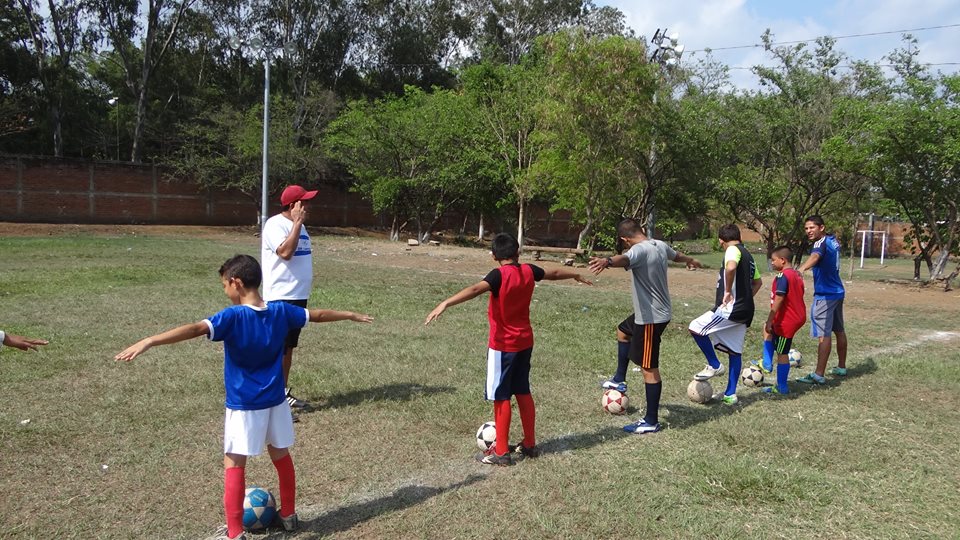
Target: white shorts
726, 336
248, 432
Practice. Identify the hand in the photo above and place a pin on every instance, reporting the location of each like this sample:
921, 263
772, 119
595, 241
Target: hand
435, 314
598, 264
298, 212
579, 279
23, 343
727, 299
694, 264
360, 317
134, 350
768, 327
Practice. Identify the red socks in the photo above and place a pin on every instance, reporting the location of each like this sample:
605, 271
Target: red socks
501, 417
233, 489
288, 485
528, 418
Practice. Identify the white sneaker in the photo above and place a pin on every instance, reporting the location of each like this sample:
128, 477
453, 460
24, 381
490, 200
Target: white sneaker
709, 373
290, 523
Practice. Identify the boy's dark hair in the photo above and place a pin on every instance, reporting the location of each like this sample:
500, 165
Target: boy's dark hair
729, 232
816, 219
629, 227
243, 267
504, 247
784, 252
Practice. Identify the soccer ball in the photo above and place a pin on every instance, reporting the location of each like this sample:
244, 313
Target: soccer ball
486, 435
614, 402
699, 391
259, 509
751, 376
795, 357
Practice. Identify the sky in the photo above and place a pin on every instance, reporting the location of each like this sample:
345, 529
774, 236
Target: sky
729, 23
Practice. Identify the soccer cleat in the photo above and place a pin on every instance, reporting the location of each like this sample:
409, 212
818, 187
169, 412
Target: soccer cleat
221, 534
811, 378
729, 400
490, 457
772, 390
641, 427
709, 373
762, 366
839, 371
613, 385
290, 523
296, 403
528, 451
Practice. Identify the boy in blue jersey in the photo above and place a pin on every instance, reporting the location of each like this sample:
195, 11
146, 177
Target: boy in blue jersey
826, 312
257, 413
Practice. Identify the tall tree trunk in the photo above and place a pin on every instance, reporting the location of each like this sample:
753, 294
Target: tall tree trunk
936, 272
136, 150
56, 117
520, 223
585, 233
394, 229
480, 231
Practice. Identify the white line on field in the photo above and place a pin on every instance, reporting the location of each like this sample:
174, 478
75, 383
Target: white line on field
937, 336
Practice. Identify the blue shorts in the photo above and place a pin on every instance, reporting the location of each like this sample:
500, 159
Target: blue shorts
508, 373
826, 317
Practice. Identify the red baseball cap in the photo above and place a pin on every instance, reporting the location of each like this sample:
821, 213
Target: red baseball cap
296, 193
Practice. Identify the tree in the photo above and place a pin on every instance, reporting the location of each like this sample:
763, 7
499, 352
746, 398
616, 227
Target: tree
507, 98
909, 144
120, 23
777, 174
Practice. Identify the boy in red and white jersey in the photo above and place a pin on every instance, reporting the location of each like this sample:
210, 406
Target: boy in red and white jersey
510, 343
788, 314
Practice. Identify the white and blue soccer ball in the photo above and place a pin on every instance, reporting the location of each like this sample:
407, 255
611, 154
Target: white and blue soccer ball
794, 357
751, 376
259, 509
486, 436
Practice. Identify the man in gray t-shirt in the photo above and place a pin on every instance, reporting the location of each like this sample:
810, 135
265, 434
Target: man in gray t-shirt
638, 336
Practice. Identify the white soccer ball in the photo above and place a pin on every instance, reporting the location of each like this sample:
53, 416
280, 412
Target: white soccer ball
699, 391
795, 357
487, 436
614, 401
751, 376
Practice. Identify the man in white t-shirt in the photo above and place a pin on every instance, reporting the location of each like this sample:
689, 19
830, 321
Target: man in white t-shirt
287, 260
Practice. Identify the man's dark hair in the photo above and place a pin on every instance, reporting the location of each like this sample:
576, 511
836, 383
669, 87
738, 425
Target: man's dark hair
243, 267
730, 232
504, 247
784, 252
816, 219
629, 227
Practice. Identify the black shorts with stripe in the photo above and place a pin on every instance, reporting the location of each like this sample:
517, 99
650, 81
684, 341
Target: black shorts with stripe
644, 341
781, 345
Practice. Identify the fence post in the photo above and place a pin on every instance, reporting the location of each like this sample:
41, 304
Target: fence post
91, 193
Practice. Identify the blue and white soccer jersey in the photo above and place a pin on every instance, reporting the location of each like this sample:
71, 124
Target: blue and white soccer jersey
508, 374
248, 432
727, 336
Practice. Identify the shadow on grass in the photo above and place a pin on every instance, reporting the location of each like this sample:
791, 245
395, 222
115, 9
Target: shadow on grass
346, 517
389, 392
579, 441
685, 416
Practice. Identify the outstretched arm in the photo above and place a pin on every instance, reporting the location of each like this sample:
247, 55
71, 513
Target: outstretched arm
811, 261
561, 273
687, 260
329, 315
20, 342
468, 293
176, 335
599, 264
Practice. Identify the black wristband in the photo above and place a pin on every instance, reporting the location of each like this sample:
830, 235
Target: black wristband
609, 261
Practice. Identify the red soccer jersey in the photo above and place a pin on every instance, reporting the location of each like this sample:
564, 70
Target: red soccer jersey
509, 308
793, 311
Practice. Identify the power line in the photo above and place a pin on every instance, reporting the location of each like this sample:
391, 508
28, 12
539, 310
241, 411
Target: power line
756, 45
850, 66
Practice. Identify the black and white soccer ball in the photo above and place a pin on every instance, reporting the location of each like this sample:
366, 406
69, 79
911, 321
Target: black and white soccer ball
794, 357
751, 376
487, 436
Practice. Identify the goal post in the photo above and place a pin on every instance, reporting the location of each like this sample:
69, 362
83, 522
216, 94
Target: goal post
863, 244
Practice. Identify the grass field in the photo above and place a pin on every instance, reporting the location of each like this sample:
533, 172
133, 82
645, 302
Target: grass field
134, 450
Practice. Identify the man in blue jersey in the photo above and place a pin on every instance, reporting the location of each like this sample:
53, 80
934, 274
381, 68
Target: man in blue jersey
826, 312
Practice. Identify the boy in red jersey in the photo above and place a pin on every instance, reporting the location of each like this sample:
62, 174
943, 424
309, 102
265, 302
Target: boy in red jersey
788, 314
510, 344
